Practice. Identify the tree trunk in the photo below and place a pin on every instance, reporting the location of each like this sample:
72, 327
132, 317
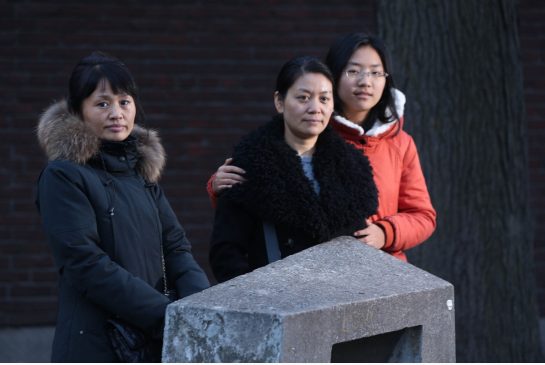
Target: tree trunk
458, 63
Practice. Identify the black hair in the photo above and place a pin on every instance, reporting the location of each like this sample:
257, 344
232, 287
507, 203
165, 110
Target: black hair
95, 69
295, 68
337, 58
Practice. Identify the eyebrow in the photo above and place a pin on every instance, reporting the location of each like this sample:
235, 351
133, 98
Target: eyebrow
310, 92
360, 65
108, 96
103, 96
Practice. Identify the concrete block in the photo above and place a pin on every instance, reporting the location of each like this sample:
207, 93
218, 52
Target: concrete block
340, 301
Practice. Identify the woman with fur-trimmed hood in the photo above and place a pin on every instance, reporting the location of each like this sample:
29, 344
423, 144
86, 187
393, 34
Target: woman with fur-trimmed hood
111, 229
304, 184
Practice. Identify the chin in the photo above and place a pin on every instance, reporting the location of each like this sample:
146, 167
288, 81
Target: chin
317, 131
115, 137
312, 133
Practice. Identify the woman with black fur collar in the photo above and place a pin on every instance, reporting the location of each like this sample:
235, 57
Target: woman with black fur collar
117, 244
304, 184
369, 115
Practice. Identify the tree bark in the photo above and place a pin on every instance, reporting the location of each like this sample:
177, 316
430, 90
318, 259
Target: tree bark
459, 64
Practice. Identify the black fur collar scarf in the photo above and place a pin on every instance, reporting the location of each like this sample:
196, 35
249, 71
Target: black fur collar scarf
278, 190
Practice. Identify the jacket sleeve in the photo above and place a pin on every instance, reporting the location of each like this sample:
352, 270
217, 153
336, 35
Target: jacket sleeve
231, 236
69, 220
213, 197
416, 217
181, 267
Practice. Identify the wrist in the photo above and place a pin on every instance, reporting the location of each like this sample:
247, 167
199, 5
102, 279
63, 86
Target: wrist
388, 230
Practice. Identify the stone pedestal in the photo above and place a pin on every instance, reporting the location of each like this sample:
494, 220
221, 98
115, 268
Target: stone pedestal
340, 301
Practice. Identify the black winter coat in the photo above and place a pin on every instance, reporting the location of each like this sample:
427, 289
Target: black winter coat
106, 220
278, 192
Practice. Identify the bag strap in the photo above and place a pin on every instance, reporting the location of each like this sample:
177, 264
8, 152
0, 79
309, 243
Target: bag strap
271, 242
165, 286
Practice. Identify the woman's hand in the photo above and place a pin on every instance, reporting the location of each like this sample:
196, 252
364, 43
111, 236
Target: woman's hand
227, 176
372, 236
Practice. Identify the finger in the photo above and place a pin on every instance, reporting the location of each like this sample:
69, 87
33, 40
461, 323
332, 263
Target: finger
223, 182
231, 169
361, 239
360, 234
224, 177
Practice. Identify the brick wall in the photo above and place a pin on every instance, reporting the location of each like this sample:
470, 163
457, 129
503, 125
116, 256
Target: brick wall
206, 71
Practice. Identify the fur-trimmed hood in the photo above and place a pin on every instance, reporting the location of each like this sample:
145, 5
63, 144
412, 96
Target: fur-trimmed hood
278, 191
64, 136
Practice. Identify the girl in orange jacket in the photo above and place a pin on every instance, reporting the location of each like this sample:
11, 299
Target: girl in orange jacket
369, 115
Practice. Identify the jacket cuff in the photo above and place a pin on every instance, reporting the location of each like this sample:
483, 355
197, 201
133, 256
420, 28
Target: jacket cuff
389, 233
210, 191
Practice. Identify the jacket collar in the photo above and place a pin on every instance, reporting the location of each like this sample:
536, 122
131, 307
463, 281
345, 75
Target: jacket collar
352, 130
278, 191
64, 136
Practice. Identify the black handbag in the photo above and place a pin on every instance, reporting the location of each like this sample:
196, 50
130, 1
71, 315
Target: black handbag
130, 344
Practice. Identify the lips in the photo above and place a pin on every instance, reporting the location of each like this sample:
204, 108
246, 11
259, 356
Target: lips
363, 95
116, 128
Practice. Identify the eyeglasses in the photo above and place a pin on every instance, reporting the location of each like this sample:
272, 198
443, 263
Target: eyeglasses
358, 75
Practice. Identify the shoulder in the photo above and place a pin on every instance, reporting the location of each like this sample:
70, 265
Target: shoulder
400, 140
62, 167
337, 160
258, 147
403, 138
405, 144
66, 186
66, 172
341, 151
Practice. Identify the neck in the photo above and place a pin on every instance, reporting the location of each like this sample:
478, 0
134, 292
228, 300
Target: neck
303, 147
356, 117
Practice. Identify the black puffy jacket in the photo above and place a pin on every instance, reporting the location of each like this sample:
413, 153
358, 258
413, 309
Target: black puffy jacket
106, 221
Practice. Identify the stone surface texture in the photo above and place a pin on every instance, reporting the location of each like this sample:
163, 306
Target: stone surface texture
296, 309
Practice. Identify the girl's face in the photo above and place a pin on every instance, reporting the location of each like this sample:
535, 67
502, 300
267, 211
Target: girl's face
359, 88
306, 108
110, 116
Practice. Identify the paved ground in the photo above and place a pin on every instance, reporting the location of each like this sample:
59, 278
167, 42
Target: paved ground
33, 344
29, 344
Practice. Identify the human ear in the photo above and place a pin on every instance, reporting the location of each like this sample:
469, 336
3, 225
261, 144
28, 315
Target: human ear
278, 102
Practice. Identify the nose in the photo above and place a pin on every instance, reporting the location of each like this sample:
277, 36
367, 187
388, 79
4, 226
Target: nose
115, 112
314, 106
364, 79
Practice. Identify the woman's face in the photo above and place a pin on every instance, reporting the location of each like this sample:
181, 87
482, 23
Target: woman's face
110, 116
360, 94
307, 107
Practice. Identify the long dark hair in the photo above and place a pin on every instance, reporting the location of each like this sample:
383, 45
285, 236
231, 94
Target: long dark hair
337, 58
295, 68
94, 69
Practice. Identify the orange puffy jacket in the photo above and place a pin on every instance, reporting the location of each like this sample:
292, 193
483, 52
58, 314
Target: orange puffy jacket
405, 212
